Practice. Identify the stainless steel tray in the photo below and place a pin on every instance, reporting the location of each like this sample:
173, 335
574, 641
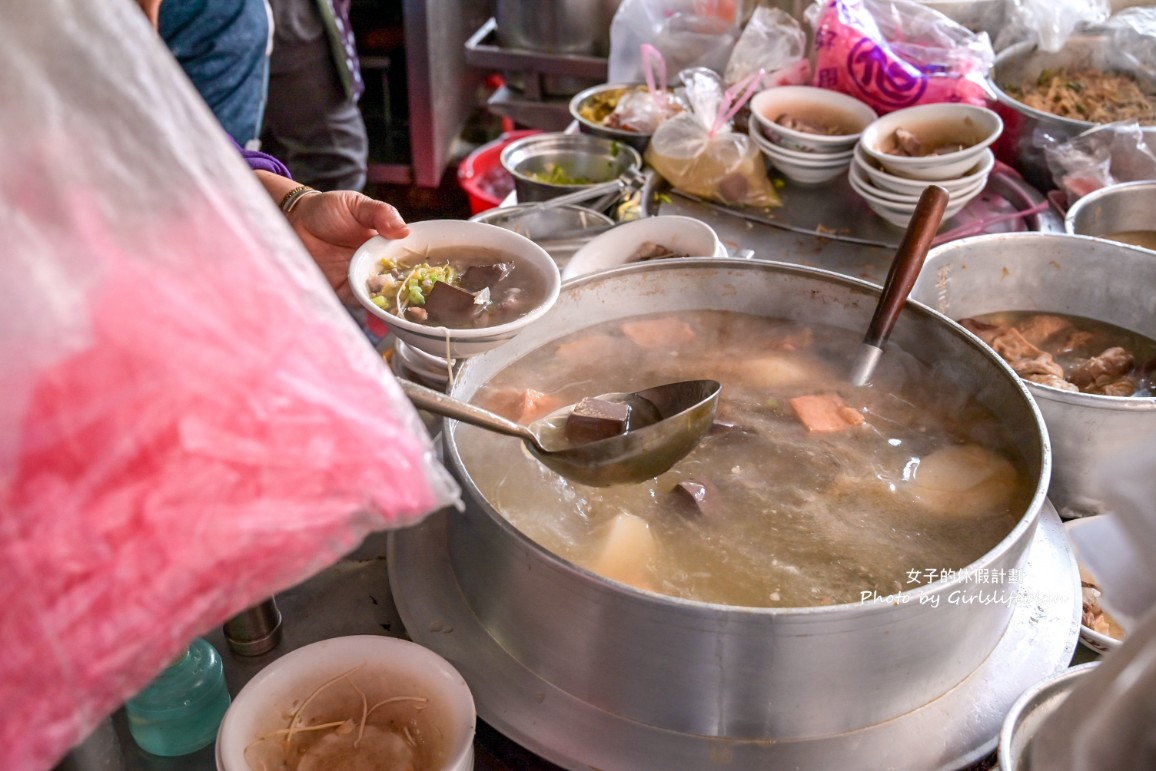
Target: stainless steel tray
829, 226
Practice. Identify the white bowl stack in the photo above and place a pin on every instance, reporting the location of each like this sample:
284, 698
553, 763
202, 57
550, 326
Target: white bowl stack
891, 184
803, 156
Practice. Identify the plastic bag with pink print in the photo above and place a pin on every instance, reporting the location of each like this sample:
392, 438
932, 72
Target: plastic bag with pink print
893, 54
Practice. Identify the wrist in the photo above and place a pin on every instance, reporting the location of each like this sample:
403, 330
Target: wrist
294, 196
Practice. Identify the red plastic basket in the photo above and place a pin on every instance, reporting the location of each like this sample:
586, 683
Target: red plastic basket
481, 174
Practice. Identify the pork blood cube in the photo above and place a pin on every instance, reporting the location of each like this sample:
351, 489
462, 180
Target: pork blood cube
594, 419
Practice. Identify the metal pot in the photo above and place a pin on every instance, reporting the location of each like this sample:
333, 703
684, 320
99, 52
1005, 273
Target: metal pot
562, 27
1076, 275
761, 675
1129, 207
1023, 62
595, 160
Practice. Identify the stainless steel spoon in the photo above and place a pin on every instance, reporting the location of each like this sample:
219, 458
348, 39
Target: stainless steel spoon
900, 278
666, 423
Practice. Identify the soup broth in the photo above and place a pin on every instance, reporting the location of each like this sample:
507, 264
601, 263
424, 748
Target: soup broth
478, 287
356, 720
1144, 238
1072, 353
789, 501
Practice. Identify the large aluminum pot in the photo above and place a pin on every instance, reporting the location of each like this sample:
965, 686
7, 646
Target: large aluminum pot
1069, 274
1124, 208
756, 674
1023, 62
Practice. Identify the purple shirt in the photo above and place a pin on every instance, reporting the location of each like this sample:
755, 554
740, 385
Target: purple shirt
264, 162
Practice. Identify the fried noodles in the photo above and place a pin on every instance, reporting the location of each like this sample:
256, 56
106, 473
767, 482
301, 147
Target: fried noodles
1089, 95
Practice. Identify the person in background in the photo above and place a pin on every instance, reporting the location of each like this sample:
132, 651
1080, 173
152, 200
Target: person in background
223, 47
312, 121
331, 224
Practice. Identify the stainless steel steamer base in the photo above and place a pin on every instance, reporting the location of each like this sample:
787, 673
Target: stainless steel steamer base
955, 730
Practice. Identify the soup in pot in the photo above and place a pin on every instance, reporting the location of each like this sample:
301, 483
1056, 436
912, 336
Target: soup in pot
807, 491
1071, 353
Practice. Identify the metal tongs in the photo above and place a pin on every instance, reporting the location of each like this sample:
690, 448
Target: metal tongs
604, 194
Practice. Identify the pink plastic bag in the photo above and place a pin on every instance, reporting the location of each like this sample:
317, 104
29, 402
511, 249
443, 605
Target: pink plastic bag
894, 53
190, 420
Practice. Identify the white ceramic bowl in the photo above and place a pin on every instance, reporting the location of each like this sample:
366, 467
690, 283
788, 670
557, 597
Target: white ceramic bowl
934, 125
814, 104
897, 213
685, 236
880, 179
384, 668
769, 148
1089, 637
859, 178
804, 168
435, 234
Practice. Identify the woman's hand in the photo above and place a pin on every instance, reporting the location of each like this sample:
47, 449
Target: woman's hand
333, 224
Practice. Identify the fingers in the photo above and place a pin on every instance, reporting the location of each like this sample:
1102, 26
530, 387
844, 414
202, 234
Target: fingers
381, 217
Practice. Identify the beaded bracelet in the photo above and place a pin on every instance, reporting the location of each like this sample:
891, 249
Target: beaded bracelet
293, 196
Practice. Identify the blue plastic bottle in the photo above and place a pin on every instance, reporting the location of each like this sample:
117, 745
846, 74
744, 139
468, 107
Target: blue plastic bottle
179, 711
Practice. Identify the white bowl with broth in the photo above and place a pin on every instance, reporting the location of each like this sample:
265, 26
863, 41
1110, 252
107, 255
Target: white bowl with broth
949, 139
463, 243
417, 711
811, 119
661, 237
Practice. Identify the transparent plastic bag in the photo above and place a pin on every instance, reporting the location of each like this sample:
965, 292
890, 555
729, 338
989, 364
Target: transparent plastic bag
1106, 722
1102, 156
688, 33
772, 41
896, 53
191, 420
644, 110
1048, 23
699, 152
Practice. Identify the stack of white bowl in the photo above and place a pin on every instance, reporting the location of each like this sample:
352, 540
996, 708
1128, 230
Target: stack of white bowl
802, 156
891, 184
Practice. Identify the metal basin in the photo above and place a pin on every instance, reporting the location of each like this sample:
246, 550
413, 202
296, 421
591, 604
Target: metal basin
1024, 62
584, 161
1069, 274
749, 674
1129, 207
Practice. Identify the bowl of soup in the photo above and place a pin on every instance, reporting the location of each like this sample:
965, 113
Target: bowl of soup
810, 119
816, 548
1075, 316
361, 701
454, 288
931, 142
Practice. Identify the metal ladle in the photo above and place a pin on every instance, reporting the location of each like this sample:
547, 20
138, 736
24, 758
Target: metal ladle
666, 422
901, 277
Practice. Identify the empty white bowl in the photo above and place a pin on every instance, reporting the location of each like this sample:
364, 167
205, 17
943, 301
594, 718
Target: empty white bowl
899, 213
935, 125
447, 342
806, 168
425, 694
622, 244
884, 181
844, 114
859, 178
